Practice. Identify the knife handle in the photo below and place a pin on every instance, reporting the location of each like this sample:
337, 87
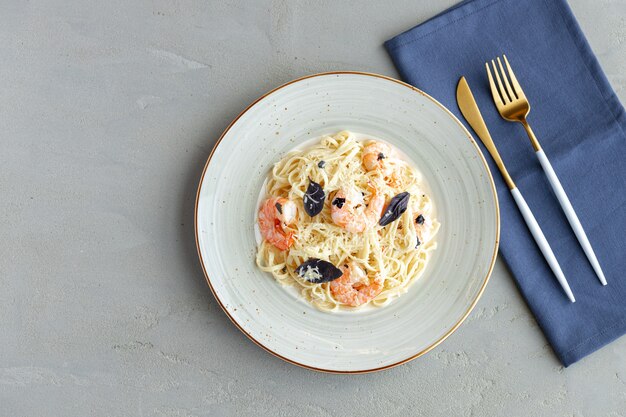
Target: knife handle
542, 242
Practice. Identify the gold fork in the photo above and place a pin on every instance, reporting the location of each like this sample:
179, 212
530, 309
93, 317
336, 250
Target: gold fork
513, 106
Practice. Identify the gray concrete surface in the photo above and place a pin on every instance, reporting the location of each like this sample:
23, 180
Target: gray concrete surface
108, 110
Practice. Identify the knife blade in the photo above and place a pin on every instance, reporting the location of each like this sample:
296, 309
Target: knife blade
471, 112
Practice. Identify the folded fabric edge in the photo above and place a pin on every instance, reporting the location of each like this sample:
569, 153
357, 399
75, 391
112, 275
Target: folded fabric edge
447, 17
612, 331
590, 345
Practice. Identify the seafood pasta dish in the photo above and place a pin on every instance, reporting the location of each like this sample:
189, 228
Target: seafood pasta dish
347, 222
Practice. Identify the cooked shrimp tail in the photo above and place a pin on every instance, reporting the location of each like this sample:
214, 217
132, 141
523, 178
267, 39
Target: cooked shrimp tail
375, 157
275, 216
354, 288
349, 211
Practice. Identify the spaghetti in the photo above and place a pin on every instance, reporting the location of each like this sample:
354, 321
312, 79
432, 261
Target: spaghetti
392, 256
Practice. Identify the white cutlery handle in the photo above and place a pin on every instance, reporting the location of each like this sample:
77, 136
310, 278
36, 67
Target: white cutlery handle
534, 228
570, 214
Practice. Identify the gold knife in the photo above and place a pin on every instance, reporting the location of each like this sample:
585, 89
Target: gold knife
469, 108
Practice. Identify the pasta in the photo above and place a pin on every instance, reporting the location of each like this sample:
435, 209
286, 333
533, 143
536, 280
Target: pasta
393, 256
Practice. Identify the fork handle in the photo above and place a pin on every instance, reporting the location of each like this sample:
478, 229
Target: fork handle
545, 248
570, 214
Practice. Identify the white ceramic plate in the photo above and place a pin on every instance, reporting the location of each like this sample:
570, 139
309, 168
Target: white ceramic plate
461, 188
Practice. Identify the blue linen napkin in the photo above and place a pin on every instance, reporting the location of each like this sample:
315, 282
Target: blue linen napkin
581, 125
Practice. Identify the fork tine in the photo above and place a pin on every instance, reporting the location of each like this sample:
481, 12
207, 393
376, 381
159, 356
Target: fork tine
500, 86
509, 90
494, 90
518, 88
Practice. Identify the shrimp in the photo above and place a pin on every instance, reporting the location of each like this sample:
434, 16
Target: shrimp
348, 209
354, 287
274, 217
374, 157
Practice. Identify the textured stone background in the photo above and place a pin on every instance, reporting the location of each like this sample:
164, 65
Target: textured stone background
108, 110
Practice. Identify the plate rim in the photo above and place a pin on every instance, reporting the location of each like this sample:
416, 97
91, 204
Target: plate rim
485, 280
